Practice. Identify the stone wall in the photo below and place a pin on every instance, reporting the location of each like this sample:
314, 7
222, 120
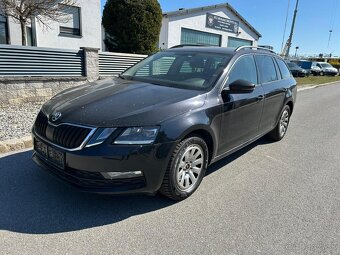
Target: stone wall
91, 59
18, 90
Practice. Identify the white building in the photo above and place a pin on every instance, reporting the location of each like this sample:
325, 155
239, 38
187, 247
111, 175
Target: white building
216, 25
81, 30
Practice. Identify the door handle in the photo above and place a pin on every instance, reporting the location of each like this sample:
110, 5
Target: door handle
260, 97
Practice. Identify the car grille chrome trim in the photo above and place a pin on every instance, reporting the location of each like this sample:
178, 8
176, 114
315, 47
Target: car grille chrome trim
66, 136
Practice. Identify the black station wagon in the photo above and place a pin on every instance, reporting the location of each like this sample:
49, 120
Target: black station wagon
160, 124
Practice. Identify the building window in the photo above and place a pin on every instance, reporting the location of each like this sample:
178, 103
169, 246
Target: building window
3, 30
29, 36
72, 24
237, 42
189, 36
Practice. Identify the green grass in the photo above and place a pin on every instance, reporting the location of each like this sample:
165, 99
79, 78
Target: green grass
316, 80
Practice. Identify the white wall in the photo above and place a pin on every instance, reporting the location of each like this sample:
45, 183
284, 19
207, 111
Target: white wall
14, 32
171, 27
49, 37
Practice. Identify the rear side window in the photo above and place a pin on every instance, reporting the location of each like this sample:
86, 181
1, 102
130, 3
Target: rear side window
266, 68
283, 69
243, 69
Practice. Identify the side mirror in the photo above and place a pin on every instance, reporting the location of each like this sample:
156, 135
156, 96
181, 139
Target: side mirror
241, 87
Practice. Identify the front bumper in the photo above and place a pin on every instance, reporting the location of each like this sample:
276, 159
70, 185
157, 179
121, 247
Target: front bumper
83, 168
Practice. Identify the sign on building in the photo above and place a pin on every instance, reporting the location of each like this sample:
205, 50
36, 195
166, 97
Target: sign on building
220, 23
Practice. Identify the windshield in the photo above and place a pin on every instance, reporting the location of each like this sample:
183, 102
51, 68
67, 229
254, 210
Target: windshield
305, 64
187, 70
293, 65
325, 65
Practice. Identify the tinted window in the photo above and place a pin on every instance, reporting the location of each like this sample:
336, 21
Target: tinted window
266, 68
244, 69
71, 24
283, 69
3, 30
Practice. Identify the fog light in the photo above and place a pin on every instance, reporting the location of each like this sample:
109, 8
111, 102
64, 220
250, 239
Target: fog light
121, 175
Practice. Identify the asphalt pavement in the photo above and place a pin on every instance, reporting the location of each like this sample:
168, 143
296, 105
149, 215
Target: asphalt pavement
269, 198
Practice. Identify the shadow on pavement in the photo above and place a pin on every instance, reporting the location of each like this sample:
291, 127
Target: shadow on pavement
33, 202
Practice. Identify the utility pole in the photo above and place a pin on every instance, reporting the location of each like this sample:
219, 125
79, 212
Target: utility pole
289, 42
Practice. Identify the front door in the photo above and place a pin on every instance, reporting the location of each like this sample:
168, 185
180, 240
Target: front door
241, 112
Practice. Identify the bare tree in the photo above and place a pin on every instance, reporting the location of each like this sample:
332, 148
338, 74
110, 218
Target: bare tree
22, 12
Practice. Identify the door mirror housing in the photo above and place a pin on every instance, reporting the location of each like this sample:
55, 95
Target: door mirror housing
241, 87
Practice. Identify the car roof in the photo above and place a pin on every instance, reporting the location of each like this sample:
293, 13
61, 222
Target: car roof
219, 50
208, 49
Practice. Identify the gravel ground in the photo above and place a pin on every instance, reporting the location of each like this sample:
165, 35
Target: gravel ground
17, 121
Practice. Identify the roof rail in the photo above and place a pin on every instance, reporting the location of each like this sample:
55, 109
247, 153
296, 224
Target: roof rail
190, 45
253, 47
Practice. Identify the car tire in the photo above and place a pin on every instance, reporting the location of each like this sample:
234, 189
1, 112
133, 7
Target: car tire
281, 128
186, 168
322, 73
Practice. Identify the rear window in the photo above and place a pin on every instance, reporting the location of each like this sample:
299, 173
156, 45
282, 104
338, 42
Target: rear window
283, 69
266, 68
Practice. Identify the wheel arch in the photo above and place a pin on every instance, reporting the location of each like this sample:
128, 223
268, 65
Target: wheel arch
291, 106
206, 135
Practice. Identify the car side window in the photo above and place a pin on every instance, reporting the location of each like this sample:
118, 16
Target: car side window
283, 68
244, 69
266, 68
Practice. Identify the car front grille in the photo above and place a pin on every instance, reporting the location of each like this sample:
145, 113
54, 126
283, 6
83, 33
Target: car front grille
65, 135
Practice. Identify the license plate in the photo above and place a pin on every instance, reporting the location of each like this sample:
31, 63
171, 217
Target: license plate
50, 154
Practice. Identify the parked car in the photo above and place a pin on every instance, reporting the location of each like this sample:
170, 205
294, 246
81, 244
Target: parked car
327, 69
309, 66
296, 70
160, 124
315, 70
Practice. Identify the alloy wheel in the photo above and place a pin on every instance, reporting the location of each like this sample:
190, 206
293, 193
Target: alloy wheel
190, 167
284, 122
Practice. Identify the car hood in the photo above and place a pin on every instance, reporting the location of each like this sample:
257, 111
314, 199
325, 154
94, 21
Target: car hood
331, 69
116, 102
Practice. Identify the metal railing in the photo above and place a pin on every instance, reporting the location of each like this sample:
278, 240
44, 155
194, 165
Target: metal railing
112, 64
27, 61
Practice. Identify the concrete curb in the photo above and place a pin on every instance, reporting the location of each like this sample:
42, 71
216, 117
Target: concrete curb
16, 144
311, 86
26, 142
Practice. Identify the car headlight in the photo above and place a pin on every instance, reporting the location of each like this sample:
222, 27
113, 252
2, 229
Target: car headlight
100, 136
137, 135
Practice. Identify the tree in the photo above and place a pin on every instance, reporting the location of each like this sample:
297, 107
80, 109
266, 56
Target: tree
132, 26
22, 12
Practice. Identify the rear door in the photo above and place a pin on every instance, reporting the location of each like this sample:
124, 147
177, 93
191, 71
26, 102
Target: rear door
241, 112
274, 91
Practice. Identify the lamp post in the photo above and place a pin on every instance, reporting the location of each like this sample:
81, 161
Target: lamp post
330, 36
296, 49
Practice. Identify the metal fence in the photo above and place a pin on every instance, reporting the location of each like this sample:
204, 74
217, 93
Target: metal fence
36, 61
112, 64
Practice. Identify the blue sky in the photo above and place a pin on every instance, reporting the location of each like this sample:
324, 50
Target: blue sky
315, 19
